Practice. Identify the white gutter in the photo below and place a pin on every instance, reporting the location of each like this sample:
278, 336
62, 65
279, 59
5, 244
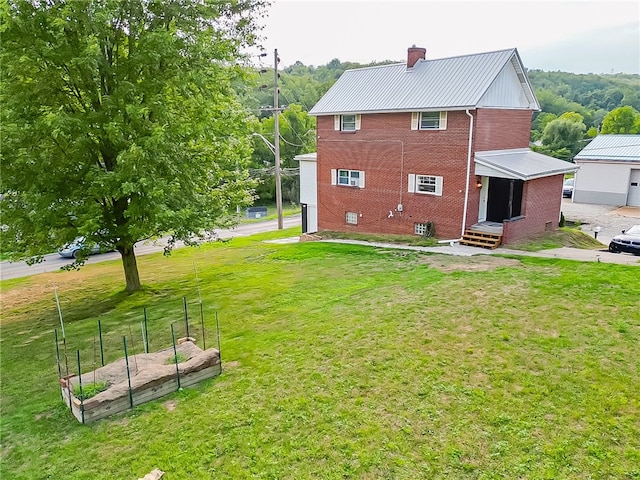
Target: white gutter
466, 191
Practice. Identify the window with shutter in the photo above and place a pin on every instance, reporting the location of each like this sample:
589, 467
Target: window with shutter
427, 184
349, 178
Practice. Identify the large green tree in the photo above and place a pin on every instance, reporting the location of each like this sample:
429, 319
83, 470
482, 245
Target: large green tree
622, 120
564, 136
120, 121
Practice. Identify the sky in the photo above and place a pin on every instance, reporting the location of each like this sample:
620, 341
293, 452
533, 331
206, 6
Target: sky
579, 36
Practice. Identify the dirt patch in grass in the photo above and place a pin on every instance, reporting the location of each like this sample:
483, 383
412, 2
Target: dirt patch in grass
26, 297
478, 263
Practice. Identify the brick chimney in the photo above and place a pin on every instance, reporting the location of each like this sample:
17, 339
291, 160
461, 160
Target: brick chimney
414, 54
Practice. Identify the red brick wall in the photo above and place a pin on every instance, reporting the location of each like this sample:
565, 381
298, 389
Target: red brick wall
387, 150
541, 203
498, 129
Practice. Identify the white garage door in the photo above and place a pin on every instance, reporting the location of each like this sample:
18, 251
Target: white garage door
633, 198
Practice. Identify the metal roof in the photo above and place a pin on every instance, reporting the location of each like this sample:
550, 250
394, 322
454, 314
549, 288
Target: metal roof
447, 83
617, 148
523, 164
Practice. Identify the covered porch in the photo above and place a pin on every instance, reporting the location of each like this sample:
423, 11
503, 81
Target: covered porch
520, 194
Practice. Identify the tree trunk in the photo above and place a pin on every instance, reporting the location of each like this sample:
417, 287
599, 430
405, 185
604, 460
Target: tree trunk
130, 268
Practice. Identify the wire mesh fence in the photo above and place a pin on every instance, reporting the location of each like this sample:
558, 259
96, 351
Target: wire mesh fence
116, 350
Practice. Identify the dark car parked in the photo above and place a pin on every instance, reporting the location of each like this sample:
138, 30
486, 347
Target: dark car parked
627, 241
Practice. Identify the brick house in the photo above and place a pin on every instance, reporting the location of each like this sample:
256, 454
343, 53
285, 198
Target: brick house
431, 144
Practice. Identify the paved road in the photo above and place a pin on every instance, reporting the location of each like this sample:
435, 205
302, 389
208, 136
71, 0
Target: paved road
53, 261
610, 219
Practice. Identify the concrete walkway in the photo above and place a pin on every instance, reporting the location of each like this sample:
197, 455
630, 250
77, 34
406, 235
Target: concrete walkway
611, 220
456, 249
567, 253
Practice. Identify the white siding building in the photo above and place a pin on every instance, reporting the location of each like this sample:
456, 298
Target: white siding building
308, 192
609, 171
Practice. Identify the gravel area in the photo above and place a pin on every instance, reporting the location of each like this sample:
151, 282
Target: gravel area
611, 219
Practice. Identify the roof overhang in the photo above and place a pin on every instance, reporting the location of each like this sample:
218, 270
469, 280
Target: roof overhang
607, 159
307, 157
520, 164
403, 110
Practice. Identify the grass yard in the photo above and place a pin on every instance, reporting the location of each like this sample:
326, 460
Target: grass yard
339, 361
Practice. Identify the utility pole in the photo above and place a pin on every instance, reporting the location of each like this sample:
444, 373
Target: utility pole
276, 143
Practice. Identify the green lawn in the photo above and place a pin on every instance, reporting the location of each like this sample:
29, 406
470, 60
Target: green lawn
339, 361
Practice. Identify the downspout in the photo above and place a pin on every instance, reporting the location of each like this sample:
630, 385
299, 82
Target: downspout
466, 191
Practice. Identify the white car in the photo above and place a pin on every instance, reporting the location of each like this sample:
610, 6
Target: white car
567, 188
71, 250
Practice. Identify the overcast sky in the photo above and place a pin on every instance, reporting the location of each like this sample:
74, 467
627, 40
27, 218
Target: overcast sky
577, 36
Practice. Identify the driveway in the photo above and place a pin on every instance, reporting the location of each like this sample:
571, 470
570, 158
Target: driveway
611, 219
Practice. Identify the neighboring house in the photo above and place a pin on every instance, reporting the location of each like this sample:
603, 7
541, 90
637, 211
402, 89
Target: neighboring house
609, 171
438, 143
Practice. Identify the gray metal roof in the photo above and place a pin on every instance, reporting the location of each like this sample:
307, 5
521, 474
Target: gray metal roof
616, 148
523, 164
438, 84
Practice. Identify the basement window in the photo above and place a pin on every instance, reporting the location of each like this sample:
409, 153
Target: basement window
352, 218
419, 228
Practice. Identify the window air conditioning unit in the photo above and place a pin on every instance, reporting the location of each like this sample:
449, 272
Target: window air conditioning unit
354, 183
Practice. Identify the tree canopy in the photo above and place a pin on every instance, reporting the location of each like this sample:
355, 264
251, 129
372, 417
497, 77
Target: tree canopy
622, 120
121, 122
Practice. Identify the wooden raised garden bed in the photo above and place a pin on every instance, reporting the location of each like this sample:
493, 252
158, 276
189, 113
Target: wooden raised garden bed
151, 376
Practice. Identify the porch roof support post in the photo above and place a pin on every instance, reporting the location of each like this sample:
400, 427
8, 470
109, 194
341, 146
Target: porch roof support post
510, 210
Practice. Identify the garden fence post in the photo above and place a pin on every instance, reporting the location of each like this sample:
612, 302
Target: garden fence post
219, 349
186, 315
58, 355
101, 345
66, 366
204, 342
146, 332
218, 333
175, 355
81, 392
126, 359
58, 362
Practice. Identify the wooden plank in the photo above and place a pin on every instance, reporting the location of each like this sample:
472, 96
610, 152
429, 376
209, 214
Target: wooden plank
155, 474
122, 404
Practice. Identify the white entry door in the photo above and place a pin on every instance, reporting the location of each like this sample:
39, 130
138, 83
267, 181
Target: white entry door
484, 194
633, 197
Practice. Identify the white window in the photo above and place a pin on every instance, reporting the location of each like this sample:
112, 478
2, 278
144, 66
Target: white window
347, 123
429, 121
347, 178
427, 184
352, 218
